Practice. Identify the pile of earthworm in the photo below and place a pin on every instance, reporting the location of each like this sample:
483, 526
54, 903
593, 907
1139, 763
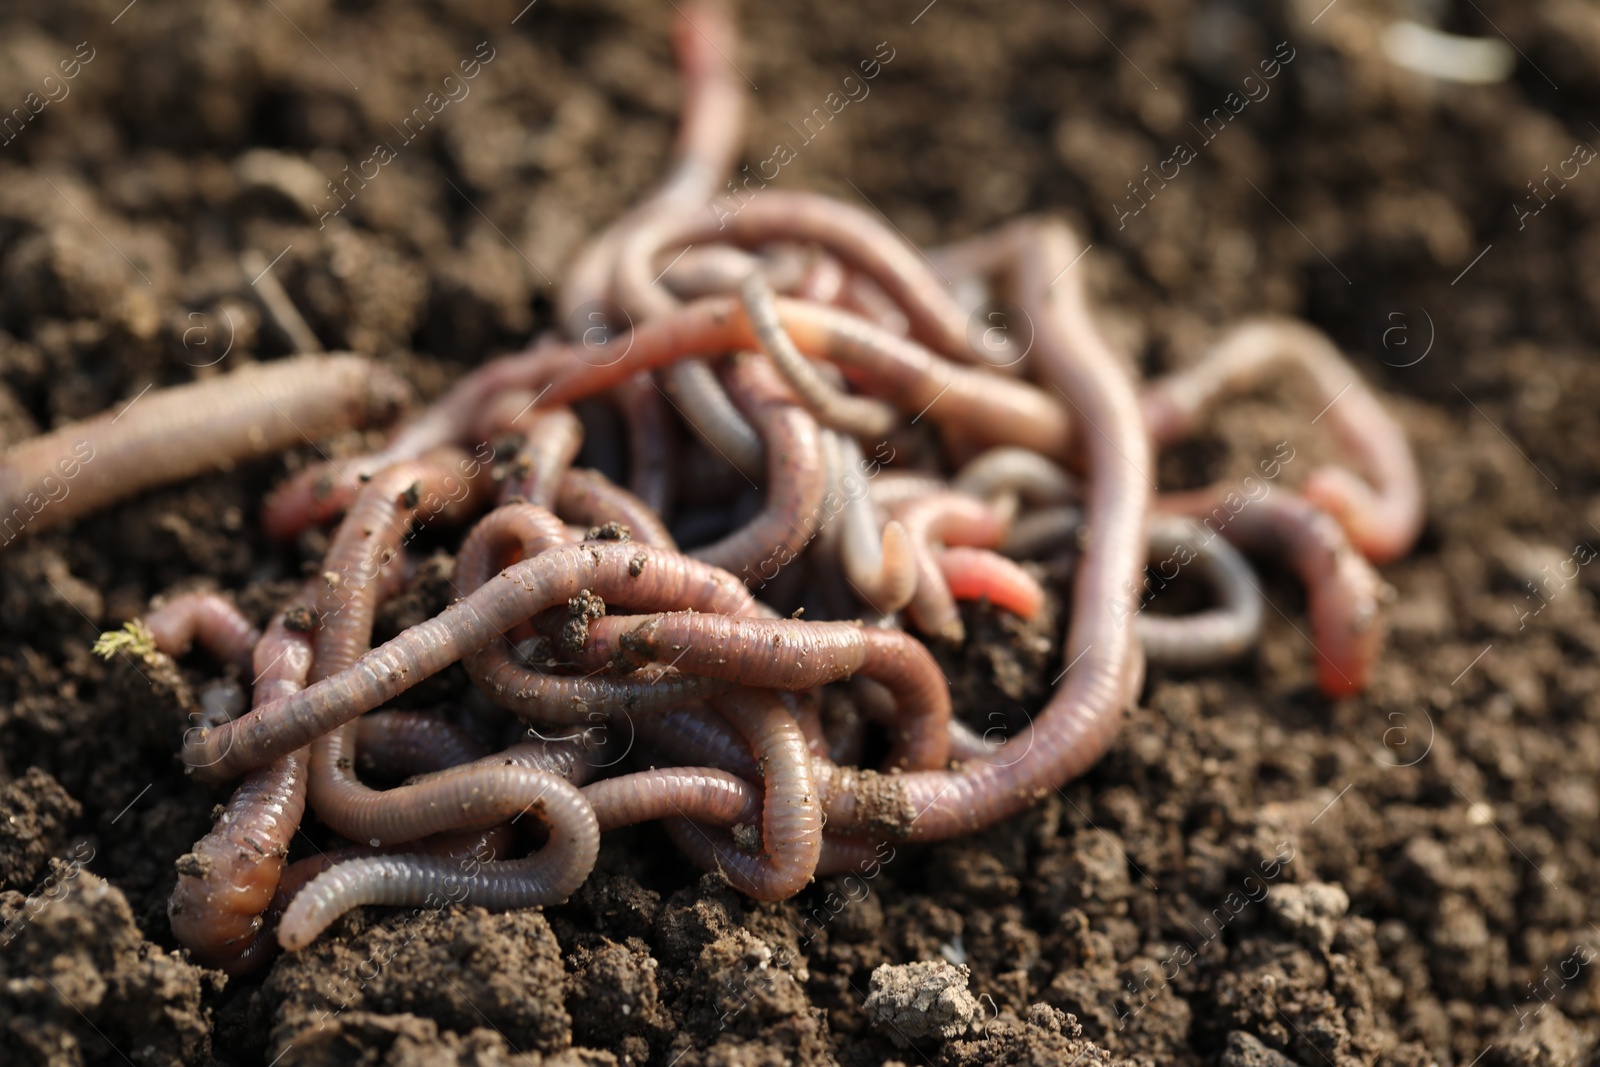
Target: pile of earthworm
800, 394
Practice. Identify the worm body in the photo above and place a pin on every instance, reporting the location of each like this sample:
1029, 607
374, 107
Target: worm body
226, 883
1383, 512
205, 617
167, 435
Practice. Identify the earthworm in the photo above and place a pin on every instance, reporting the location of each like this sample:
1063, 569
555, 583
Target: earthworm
1016, 470
221, 628
1342, 589
853, 236
993, 410
892, 488
615, 572
508, 533
1208, 637
460, 846
403, 743
952, 519
1383, 514
1042, 531
792, 654
167, 435
694, 390
823, 281
858, 416
707, 145
795, 479
551, 444
879, 564
322, 491
653, 445
228, 880
372, 532
699, 793
523, 531
974, 573
791, 817
1078, 724
712, 269
547, 877
866, 298
590, 498
696, 735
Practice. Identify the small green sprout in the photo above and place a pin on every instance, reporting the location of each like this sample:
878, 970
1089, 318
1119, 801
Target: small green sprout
134, 638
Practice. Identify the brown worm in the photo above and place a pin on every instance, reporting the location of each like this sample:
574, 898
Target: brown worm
853, 236
653, 445
368, 540
708, 143
796, 481
700, 793
322, 491
696, 735
221, 628
791, 817
166, 435
952, 519
552, 439
1083, 715
858, 416
226, 883
548, 876
993, 410
402, 743
612, 571
1207, 637
1343, 591
1383, 514
522, 531
791, 654
588, 497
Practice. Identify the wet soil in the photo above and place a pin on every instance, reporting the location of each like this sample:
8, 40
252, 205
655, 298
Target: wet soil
1255, 875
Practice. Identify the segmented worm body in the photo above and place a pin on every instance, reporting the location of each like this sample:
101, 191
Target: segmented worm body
166, 435
1382, 514
226, 883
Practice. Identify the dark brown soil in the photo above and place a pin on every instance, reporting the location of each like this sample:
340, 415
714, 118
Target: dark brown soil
1255, 875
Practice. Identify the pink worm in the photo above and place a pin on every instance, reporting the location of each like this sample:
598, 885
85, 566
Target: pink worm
522, 531
993, 410
1342, 589
795, 479
977, 573
1083, 715
588, 497
227, 882
618, 572
167, 435
1382, 514
219, 627
951, 519
791, 829
791, 654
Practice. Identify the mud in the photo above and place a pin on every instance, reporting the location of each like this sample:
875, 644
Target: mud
1254, 876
